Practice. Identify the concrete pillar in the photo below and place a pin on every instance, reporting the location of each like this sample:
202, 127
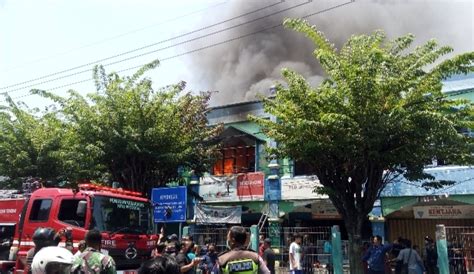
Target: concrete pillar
336, 250
442, 248
254, 237
186, 231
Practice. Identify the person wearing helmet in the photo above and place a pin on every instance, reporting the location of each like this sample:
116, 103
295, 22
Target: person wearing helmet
42, 237
52, 260
46, 236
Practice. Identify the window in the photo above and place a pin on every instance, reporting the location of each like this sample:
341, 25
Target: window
40, 210
235, 159
67, 213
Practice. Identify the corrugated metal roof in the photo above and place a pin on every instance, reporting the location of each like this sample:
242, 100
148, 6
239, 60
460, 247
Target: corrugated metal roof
458, 83
462, 176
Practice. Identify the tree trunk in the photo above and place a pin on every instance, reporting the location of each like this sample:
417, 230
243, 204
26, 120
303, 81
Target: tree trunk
354, 231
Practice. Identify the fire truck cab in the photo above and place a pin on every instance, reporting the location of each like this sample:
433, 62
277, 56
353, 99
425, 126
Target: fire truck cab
123, 217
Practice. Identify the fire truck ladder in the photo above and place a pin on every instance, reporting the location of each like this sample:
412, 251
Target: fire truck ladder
263, 218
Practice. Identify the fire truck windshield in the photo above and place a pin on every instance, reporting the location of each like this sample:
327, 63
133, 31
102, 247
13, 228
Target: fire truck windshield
116, 215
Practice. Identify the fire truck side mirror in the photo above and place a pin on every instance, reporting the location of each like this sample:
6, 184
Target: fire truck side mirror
81, 208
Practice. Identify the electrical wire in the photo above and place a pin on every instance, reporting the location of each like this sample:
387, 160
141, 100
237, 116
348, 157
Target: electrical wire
185, 53
151, 45
150, 52
119, 35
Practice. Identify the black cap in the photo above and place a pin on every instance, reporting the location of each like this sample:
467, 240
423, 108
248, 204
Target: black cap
173, 237
267, 240
428, 238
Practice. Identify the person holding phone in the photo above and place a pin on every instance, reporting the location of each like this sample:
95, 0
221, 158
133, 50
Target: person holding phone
185, 263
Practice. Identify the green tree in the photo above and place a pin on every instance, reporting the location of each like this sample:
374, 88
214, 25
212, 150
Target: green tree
30, 145
379, 113
133, 134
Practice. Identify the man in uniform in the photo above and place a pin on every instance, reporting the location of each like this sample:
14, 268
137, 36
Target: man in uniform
239, 259
91, 261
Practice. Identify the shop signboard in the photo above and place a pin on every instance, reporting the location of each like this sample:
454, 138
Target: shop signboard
324, 210
300, 188
208, 214
218, 188
444, 212
250, 186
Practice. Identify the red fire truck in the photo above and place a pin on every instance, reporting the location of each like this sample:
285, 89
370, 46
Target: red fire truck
123, 217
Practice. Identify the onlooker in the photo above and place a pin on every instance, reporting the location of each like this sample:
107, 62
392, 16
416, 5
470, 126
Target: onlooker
172, 248
43, 237
158, 250
261, 245
173, 238
309, 254
52, 259
365, 248
327, 249
91, 260
209, 259
431, 256
375, 256
188, 241
410, 258
239, 258
296, 266
398, 245
81, 247
186, 265
269, 255
419, 267
160, 265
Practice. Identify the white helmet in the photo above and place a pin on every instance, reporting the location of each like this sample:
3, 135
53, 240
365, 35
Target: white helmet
52, 259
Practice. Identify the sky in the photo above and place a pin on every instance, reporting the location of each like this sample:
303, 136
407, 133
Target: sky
50, 44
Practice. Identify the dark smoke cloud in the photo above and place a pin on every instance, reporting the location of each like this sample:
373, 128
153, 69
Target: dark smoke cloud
249, 66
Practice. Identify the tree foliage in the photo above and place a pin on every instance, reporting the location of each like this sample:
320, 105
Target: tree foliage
379, 112
30, 145
131, 133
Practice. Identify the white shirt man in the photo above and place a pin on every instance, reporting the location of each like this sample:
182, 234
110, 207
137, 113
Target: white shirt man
296, 266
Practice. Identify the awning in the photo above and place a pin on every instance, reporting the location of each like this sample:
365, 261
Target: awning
249, 128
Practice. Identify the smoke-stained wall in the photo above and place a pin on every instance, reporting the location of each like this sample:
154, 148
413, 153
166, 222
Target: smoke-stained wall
245, 67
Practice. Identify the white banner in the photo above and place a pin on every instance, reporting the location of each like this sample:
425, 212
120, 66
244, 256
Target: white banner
206, 214
300, 188
218, 188
444, 212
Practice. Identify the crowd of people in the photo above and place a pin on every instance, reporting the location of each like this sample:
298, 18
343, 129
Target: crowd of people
400, 257
170, 256
46, 257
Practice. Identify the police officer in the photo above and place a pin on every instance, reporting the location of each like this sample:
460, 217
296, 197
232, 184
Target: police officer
239, 259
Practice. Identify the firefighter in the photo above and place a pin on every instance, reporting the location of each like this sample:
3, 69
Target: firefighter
239, 259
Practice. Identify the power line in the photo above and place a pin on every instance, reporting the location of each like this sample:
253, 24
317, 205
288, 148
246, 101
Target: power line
192, 51
120, 35
151, 45
150, 52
